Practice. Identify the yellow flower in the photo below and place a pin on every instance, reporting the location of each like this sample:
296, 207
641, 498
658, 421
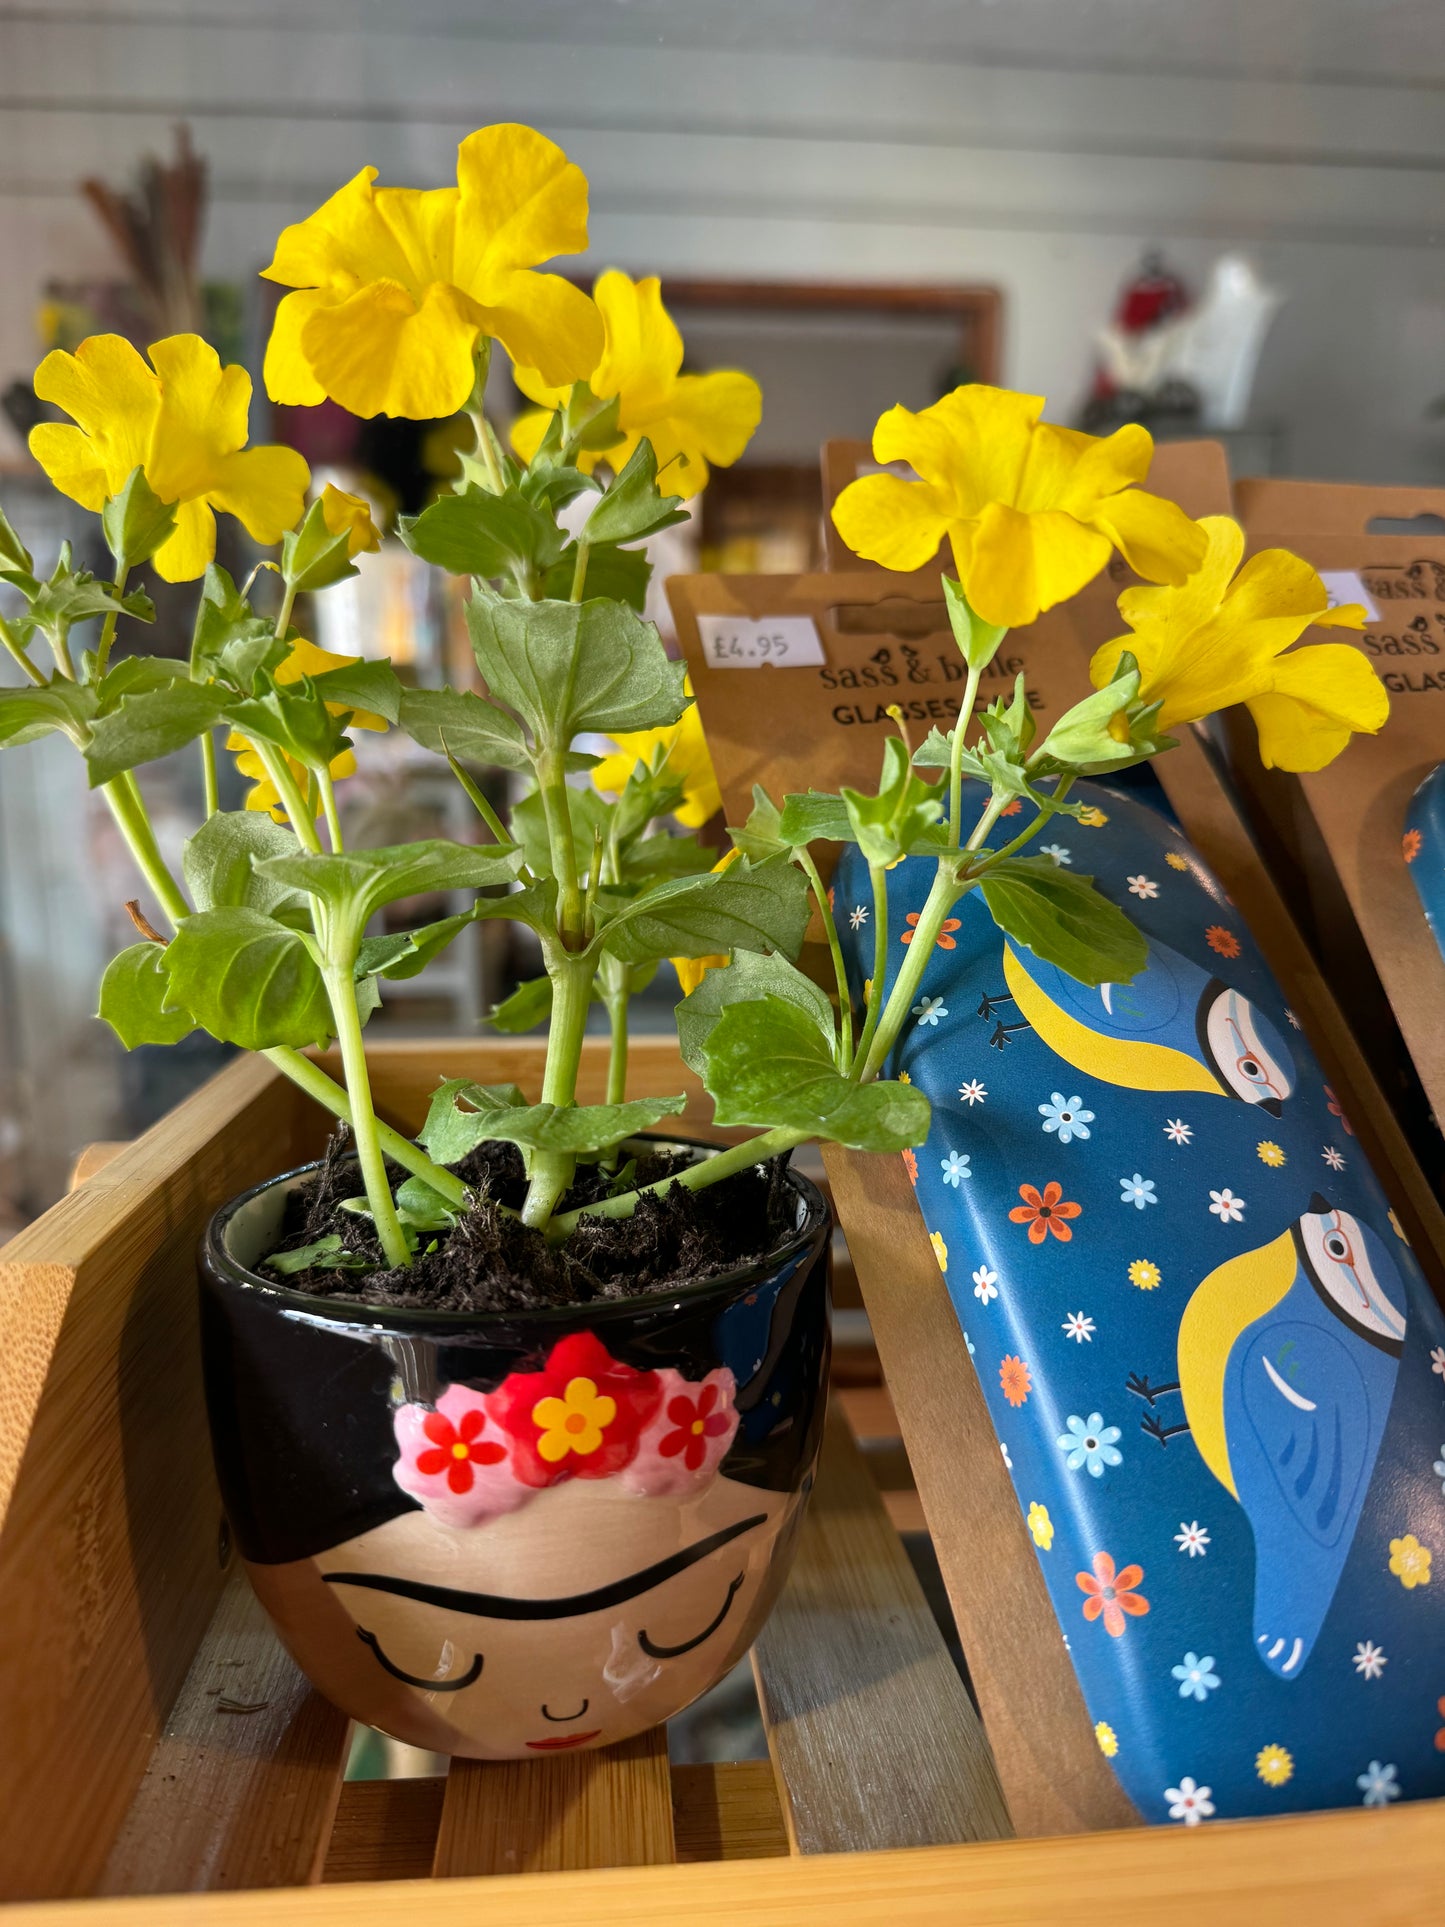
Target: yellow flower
573, 1423
1093, 818
1175, 861
1041, 1525
340, 510
1108, 1739
183, 420
690, 420
680, 748
904, 1078
1032, 511
1397, 1228
305, 660
1144, 1274
395, 286
1221, 638
1410, 1562
1270, 1153
1274, 1765
940, 1249
692, 970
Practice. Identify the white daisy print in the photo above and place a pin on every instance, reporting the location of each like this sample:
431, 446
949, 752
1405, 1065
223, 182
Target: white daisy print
969, 1342
1226, 1207
1137, 1191
1188, 1802
1437, 1360
1067, 1116
1057, 851
1177, 1131
1333, 1158
1378, 1784
973, 1092
985, 1284
930, 1010
1440, 1469
1292, 1020
1143, 887
955, 1166
1370, 1662
1192, 1538
1078, 1327
858, 915
1006, 1459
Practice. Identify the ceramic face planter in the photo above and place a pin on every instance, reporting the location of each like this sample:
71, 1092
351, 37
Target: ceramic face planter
514, 1536
1423, 847
1216, 1372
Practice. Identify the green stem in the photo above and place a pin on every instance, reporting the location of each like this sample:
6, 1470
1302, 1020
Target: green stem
486, 448
60, 648
697, 1177
328, 804
330, 1095
208, 771
13, 644
579, 573
945, 893
835, 949
617, 1003
1031, 830
107, 634
474, 795
289, 790
997, 803
283, 614
878, 878
341, 989
552, 1171
124, 799
955, 761
552, 787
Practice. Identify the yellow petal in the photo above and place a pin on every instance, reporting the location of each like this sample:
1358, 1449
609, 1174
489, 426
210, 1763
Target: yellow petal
198, 396
1154, 536
346, 240
107, 388
545, 323
643, 350
692, 970
527, 431
70, 459
378, 353
342, 510
191, 547
521, 202
886, 520
264, 488
1021, 564
973, 445
718, 412
287, 372
1319, 696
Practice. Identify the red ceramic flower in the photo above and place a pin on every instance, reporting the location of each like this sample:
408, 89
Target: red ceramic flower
1223, 942
1111, 1594
455, 1449
697, 1420
1333, 1105
1045, 1214
945, 939
579, 1416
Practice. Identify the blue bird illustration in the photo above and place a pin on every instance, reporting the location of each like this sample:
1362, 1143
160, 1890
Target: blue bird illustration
1287, 1363
1175, 1028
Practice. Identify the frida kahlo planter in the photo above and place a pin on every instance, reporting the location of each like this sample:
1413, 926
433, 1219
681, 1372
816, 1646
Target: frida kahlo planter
503, 1536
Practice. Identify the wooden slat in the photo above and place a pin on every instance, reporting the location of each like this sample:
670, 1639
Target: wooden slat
869, 1411
385, 1829
611, 1808
727, 1810
243, 1783
93, 1158
874, 1739
1382, 1868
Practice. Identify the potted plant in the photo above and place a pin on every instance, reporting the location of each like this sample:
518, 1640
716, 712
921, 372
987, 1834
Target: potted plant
515, 1422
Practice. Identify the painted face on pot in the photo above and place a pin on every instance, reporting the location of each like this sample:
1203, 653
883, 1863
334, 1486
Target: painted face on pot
579, 1568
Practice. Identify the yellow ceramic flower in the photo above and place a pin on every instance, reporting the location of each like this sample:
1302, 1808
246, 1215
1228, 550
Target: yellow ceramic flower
940, 1249
1221, 638
1107, 1738
1145, 1274
305, 660
1270, 1153
183, 420
690, 420
395, 286
1093, 818
682, 749
1032, 511
342, 510
1041, 1526
573, 1423
1410, 1562
1175, 861
1274, 1765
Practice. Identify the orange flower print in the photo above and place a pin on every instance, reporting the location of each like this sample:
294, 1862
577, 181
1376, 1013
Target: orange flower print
910, 1165
1332, 1104
1410, 845
1111, 1594
1223, 942
1440, 1736
1045, 1214
1012, 807
1013, 1375
945, 935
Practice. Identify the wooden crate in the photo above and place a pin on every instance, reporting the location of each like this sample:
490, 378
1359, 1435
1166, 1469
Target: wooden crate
161, 1759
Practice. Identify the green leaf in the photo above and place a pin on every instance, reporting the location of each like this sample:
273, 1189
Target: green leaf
634, 506
248, 980
75, 595
155, 723
536, 906
362, 685
408, 952
135, 676
1084, 739
565, 667
761, 836
1063, 919
13, 553
617, 575
219, 862
767, 1064
293, 719
761, 906
747, 979
1010, 727
530, 1004
554, 484
588, 814
312, 557
230, 642
480, 534
362, 882
137, 521
133, 995
326, 1254
978, 641
816, 817
655, 857
471, 728
906, 808
422, 1208
28, 714
463, 1115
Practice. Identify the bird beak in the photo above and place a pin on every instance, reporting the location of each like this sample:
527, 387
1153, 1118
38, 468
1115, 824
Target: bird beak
1272, 1105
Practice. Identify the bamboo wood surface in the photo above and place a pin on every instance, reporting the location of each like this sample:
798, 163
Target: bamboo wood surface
873, 1738
1382, 1868
727, 1810
385, 1829
610, 1808
243, 1783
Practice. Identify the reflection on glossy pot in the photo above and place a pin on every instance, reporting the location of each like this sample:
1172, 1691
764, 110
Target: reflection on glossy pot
503, 1537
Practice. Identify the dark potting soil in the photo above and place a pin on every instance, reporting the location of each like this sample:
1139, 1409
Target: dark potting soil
491, 1262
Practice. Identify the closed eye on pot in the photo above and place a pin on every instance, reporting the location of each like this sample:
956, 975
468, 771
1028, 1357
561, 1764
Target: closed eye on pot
468, 1678
654, 1651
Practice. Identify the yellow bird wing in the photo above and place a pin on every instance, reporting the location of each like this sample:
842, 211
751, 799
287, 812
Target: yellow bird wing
1133, 1062
1230, 1298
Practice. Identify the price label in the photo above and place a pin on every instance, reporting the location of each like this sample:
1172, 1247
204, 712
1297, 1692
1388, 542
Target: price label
1343, 585
745, 642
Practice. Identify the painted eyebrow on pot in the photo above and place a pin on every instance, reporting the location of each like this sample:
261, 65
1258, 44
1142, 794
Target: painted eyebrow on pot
489, 1605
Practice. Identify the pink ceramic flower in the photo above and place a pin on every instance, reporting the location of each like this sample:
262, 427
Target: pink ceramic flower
455, 1460
685, 1443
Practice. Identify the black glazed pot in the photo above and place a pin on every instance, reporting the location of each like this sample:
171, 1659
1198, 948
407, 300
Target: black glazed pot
504, 1536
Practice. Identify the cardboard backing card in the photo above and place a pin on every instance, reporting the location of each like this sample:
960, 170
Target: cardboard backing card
1337, 836
882, 639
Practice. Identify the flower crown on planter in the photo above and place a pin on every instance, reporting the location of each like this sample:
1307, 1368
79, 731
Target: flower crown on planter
583, 1415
